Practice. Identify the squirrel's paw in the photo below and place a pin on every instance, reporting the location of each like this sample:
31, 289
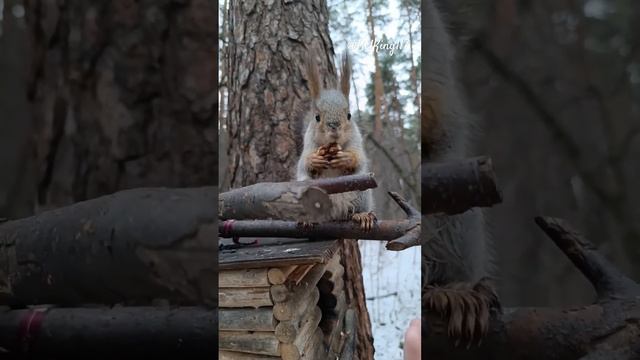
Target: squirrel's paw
344, 160
306, 224
317, 162
466, 309
366, 220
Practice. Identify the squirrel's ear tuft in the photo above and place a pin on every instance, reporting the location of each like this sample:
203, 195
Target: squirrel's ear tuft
345, 74
313, 77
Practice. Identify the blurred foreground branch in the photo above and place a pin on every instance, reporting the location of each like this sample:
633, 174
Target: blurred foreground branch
131, 246
607, 329
129, 332
457, 186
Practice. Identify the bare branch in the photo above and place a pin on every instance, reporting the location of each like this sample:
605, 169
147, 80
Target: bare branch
608, 281
607, 329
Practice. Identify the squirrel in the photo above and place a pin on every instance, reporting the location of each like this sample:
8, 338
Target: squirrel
458, 253
333, 145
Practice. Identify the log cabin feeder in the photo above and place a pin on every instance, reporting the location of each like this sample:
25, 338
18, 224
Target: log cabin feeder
283, 299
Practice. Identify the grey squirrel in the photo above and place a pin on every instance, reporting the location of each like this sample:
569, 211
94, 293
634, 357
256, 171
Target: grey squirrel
458, 261
333, 145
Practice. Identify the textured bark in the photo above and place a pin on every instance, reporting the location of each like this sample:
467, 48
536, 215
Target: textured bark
124, 95
354, 289
267, 92
164, 247
267, 99
294, 200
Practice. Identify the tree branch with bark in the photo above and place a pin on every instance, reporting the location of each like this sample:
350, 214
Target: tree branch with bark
401, 233
607, 329
448, 188
132, 246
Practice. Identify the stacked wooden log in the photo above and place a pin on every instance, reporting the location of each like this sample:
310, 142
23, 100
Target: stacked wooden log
283, 311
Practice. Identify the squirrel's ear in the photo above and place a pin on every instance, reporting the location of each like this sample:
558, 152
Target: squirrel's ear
345, 74
313, 77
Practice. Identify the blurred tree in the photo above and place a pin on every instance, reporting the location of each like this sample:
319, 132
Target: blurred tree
123, 94
373, 19
16, 174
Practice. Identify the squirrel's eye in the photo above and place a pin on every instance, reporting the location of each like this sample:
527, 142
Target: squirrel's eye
348, 116
318, 118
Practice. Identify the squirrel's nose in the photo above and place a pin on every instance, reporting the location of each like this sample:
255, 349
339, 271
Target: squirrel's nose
333, 125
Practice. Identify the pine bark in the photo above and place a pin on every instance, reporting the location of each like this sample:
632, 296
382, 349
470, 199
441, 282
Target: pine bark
124, 95
268, 95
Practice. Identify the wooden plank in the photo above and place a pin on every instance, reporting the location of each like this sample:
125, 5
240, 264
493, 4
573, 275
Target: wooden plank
308, 328
288, 331
259, 342
260, 319
306, 334
300, 272
277, 255
279, 293
232, 355
335, 325
244, 297
283, 292
296, 306
314, 348
243, 278
290, 352
278, 276
334, 268
350, 328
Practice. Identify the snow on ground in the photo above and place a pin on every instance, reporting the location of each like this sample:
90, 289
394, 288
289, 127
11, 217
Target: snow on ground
392, 287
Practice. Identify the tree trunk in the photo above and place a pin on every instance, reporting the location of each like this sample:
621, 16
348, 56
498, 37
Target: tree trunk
124, 95
413, 77
378, 91
267, 97
16, 174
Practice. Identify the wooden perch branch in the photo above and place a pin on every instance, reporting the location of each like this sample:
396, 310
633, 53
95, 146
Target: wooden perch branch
607, 280
294, 200
402, 233
131, 246
607, 329
455, 187
125, 332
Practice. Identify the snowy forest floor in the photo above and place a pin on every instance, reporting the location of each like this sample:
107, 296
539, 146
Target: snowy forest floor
392, 287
